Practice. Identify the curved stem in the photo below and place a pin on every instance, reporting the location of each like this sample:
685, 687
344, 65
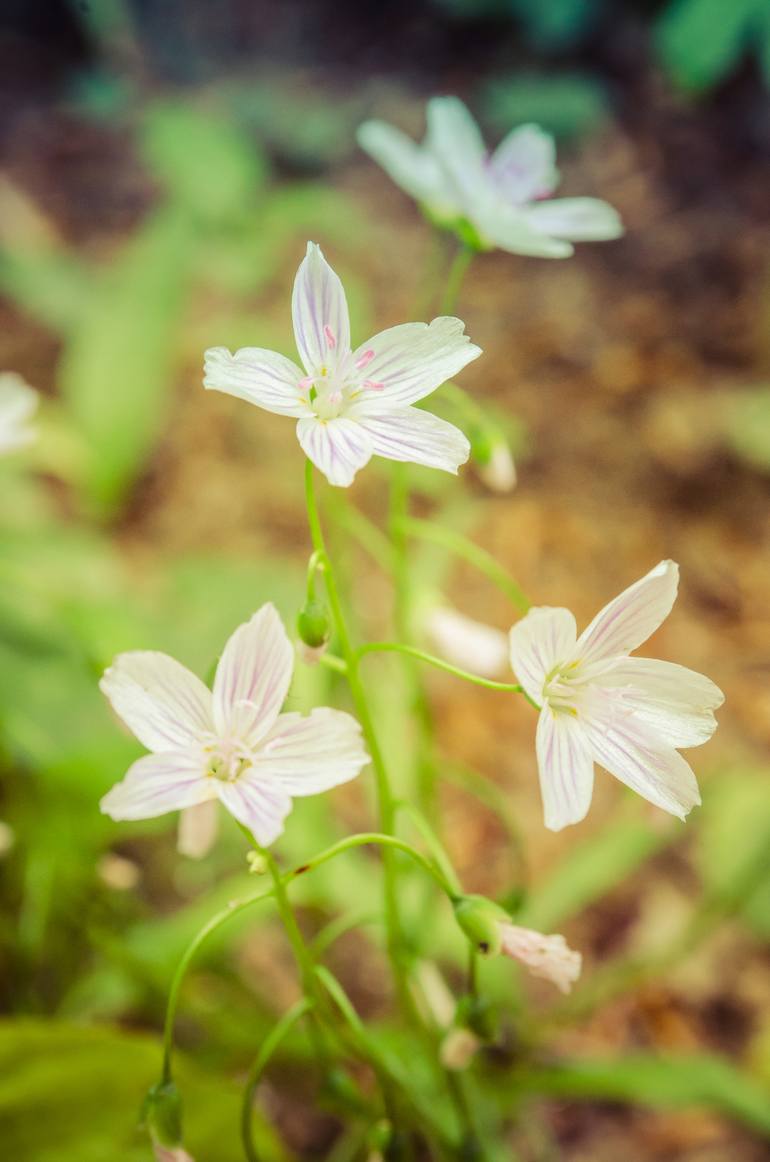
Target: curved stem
454, 281
472, 553
440, 664
435, 845
358, 694
268, 1047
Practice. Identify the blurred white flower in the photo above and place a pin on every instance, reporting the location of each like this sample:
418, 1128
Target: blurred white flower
499, 195
549, 957
482, 649
352, 405
601, 706
499, 471
18, 403
230, 743
198, 829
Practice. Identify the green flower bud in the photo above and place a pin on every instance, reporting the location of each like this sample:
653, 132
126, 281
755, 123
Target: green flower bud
480, 920
162, 1114
477, 1014
313, 624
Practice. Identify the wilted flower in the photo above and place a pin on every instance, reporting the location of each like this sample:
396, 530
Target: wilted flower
492, 199
18, 403
231, 743
548, 957
352, 405
600, 705
467, 643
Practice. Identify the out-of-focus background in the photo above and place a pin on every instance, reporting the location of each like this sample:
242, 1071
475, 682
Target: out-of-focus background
163, 164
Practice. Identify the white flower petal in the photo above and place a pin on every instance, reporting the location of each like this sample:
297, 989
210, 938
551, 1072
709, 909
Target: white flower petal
306, 754
631, 617
253, 677
261, 377
676, 703
338, 447
548, 957
320, 313
482, 649
566, 769
412, 360
630, 750
412, 167
198, 827
457, 143
577, 219
259, 804
158, 698
158, 783
509, 227
524, 164
542, 639
418, 437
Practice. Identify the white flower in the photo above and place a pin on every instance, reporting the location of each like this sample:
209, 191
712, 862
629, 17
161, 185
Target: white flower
352, 405
549, 957
18, 403
499, 471
601, 706
501, 195
230, 743
482, 649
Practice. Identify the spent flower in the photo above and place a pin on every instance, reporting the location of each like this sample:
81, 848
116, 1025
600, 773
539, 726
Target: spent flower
351, 404
598, 705
231, 743
499, 199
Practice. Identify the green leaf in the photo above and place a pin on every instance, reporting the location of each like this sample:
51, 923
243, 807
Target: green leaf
566, 105
73, 1094
116, 367
700, 41
665, 1082
738, 872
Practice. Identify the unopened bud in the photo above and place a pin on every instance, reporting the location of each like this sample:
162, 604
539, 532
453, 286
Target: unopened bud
257, 863
481, 921
477, 1014
313, 624
458, 1049
492, 454
162, 1114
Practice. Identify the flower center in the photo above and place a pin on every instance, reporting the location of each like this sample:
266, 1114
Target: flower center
227, 760
563, 686
338, 380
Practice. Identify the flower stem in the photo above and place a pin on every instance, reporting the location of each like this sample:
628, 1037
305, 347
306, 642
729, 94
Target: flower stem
360, 701
266, 1050
454, 281
440, 664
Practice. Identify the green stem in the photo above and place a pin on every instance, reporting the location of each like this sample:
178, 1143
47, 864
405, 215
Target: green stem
440, 664
457, 272
468, 551
360, 701
435, 846
268, 1047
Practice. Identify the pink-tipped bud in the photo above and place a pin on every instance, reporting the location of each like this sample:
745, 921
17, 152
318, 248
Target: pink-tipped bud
549, 957
331, 342
365, 359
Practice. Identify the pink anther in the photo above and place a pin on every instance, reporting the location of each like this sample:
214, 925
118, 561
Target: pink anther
372, 385
330, 340
362, 360
306, 383
334, 397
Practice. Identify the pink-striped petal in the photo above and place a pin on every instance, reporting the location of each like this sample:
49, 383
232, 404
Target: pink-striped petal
258, 803
676, 703
412, 360
253, 677
566, 768
159, 699
549, 957
409, 434
541, 640
631, 751
631, 617
261, 377
524, 164
338, 448
320, 313
308, 754
158, 783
